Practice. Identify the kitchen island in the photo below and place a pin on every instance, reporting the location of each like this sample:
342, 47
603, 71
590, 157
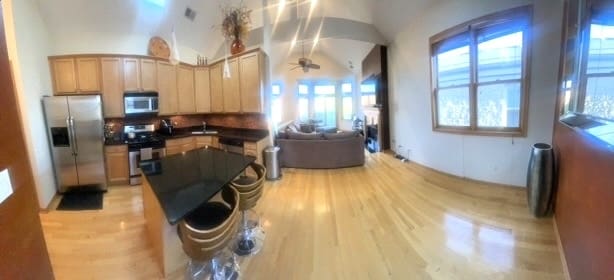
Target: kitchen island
179, 185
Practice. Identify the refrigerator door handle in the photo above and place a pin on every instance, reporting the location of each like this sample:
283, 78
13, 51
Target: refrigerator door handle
70, 138
73, 136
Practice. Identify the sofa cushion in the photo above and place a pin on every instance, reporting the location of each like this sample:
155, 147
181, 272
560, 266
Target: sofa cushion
340, 135
304, 136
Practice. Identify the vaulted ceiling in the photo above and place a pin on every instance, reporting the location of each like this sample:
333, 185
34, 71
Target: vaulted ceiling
148, 18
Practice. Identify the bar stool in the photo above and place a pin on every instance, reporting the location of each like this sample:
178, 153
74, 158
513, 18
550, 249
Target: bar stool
251, 235
205, 234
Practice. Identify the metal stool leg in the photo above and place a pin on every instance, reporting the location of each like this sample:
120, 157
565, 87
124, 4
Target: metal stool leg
250, 236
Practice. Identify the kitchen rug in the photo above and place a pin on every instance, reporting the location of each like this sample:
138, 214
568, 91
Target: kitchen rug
81, 200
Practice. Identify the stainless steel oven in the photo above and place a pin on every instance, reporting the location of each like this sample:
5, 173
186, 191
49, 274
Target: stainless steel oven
141, 103
148, 159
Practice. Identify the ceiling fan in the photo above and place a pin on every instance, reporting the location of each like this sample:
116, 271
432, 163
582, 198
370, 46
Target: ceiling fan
304, 62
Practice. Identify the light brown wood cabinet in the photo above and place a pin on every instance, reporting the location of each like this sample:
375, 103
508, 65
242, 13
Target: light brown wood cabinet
139, 74
202, 90
76, 75
167, 88
116, 158
203, 141
217, 91
231, 88
180, 145
112, 87
148, 75
250, 82
185, 90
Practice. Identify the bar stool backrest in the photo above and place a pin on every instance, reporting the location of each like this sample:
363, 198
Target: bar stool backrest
250, 193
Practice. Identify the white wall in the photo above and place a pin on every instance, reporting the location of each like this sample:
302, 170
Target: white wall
330, 70
493, 159
28, 47
78, 42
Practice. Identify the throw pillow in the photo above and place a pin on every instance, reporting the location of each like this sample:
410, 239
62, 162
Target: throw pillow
340, 135
291, 128
304, 136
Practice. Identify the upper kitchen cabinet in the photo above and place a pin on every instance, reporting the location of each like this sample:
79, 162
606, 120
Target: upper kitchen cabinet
167, 88
231, 87
112, 87
250, 81
148, 75
75, 75
139, 74
185, 89
202, 90
217, 94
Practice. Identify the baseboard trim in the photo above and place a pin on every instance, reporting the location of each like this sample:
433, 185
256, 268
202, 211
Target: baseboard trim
561, 252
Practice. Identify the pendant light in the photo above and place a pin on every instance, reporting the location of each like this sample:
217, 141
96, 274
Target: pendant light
174, 57
226, 70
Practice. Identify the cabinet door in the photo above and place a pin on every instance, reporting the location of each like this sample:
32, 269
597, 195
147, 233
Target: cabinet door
167, 88
202, 141
148, 75
64, 75
116, 158
250, 81
232, 96
185, 89
112, 87
173, 150
88, 74
188, 146
217, 97
202, 90
132, 74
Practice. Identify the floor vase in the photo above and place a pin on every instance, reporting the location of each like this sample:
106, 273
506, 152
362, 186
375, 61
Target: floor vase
540, 179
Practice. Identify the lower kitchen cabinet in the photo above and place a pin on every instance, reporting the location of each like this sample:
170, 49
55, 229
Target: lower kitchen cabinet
180, 145
116, 159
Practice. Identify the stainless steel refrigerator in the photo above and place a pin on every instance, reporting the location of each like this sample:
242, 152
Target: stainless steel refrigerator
75, 129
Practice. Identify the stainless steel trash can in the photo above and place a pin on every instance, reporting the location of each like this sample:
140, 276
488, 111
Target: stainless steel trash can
271, 161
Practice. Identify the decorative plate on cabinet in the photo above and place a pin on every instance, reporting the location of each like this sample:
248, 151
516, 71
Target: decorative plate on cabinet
159, 48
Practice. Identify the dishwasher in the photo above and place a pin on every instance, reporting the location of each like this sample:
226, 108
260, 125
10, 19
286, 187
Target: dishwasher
232, 145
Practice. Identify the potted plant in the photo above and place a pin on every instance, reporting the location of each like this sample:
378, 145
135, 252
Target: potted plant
236, 26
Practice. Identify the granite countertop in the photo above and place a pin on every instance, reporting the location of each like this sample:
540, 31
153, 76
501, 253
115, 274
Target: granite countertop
185, 181
250, 135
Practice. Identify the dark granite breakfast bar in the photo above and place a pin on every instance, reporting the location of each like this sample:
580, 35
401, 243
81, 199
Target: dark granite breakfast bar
178, 185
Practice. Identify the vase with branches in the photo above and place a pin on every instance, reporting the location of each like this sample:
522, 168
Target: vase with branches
236, 25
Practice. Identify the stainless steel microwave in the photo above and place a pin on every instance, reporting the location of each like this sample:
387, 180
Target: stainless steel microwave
145, 103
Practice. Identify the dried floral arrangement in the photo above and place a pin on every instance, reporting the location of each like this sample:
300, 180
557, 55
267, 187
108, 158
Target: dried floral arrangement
237, 22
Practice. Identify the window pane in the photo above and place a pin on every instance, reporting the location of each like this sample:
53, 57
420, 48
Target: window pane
324, 110
500, 58
348, 109
303, 89
367, 88
276, 89
601, 49
276, 110
499, 105
328, 89
599, 100
303, 108
453, 67
346, 88
453, 107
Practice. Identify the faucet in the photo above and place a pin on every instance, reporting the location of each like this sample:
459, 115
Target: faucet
204, 126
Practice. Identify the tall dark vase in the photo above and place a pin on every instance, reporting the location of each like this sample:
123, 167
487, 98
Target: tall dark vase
540, 179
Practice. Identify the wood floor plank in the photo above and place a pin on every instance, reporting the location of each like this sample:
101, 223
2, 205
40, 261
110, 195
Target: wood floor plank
384, 220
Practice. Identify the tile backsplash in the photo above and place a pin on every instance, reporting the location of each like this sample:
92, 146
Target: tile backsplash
248, 121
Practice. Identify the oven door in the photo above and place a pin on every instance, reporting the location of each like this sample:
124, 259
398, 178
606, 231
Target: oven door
150, 166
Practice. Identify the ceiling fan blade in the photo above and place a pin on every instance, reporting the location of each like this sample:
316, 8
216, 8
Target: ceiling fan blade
295, 67
314, 66
294, 64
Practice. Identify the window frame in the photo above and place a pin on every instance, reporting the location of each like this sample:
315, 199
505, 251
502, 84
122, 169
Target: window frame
311, 96
472, 28
346, 95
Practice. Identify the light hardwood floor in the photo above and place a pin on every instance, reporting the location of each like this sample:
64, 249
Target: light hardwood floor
386, 220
